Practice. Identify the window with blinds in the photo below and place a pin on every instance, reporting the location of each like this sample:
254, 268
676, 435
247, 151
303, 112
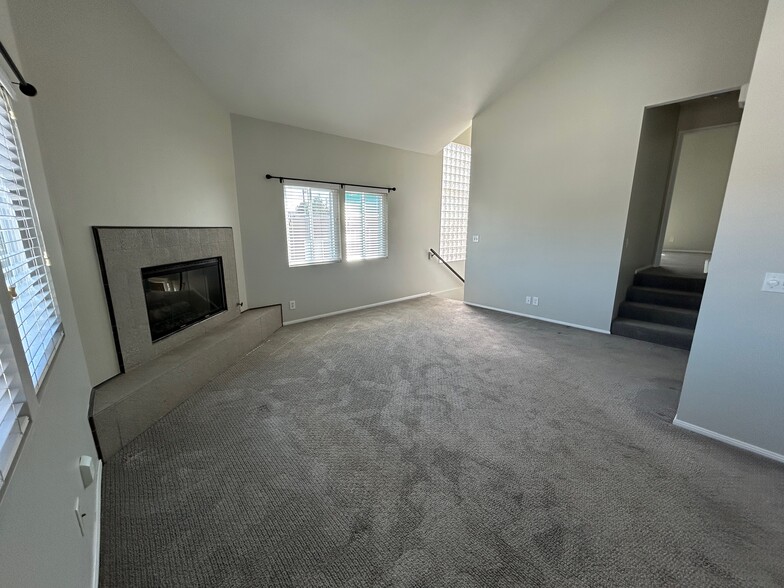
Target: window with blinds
454, 201
13, 418
22, 255
312, 224
366, 225
30, 327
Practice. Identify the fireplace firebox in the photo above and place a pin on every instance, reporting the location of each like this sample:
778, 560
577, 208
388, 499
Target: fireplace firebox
179, 295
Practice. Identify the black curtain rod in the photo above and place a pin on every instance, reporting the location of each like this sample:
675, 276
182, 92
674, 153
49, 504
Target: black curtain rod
341, 184
24, 87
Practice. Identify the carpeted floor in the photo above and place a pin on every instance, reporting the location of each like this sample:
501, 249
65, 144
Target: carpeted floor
433, 444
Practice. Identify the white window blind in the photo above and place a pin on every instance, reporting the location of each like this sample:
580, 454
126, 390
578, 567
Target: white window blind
13, 418
312, 224
366, 225
22, 255
454, 201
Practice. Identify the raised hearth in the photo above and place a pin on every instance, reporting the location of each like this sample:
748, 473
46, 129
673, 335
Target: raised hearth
128, 404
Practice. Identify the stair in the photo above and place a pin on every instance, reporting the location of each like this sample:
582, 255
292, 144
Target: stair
661, 307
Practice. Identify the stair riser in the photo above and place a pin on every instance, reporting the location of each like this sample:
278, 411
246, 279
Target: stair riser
663, 316
681, 283
671, 298
681, 341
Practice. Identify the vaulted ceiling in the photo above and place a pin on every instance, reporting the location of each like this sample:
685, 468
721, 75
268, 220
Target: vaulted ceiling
405, 73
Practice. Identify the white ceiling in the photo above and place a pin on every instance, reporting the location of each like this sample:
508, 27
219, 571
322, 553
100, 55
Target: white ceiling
406, 73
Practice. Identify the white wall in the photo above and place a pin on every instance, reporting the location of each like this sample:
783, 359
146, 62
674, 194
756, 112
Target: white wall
553, 160
703, 167
734, 382
414, 218
129, 136
40, 542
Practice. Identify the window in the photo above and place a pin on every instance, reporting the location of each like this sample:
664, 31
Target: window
30, 327
454, 201
366, 225
312, 224
14, 416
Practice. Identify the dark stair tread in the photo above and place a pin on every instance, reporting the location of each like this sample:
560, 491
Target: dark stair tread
658, 313
670, 281
653, 332
664, 297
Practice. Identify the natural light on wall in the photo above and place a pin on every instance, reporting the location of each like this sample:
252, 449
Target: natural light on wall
454, 201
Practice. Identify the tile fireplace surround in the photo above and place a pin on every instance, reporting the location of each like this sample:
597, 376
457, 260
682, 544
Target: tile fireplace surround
156, 377
124, 251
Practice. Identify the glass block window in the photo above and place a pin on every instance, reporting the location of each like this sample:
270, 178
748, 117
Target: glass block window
454, 201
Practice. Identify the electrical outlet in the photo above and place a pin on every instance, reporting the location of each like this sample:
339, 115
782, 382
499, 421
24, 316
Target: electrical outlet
528, 300
475, 238
535, 301
292, 304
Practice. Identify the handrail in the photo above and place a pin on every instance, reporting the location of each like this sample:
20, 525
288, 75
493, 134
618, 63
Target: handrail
451, 269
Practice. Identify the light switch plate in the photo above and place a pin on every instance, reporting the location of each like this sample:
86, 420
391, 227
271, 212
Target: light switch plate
773, 283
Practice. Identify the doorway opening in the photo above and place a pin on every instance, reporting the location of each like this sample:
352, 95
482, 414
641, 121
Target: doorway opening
683, 164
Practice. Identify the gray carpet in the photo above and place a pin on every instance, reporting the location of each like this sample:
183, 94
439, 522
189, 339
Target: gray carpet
437, 445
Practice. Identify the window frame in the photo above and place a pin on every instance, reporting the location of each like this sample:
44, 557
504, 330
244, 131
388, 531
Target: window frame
340, 212
385, 210
450, 181
17, 372
336, 222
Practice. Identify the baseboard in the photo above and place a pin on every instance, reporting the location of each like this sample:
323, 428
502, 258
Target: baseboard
541, 318
385, 302
97, 535
728, 440
687, 251
447, 290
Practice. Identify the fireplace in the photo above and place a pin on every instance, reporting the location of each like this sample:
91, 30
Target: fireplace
179, 295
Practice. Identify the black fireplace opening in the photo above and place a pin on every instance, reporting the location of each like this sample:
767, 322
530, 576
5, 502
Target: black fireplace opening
179, 295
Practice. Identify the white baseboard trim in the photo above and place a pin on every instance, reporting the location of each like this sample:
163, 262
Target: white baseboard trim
97, 534
540, 318
687, 251
318, 316
447, 290
728, 440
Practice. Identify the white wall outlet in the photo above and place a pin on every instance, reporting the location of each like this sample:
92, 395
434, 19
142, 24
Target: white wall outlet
475, 238
86, 470
528, 300
292, 304
773, 283
536, 301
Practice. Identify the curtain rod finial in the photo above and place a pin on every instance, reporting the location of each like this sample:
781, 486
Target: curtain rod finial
28, 89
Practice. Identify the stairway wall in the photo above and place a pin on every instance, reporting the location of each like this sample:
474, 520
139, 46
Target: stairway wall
734, 385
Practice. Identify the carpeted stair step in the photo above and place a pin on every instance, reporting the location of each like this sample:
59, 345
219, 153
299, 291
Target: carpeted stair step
670, 281
654, 313
664, 297
653, 332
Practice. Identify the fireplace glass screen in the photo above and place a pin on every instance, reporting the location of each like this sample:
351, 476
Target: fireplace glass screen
181, 294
